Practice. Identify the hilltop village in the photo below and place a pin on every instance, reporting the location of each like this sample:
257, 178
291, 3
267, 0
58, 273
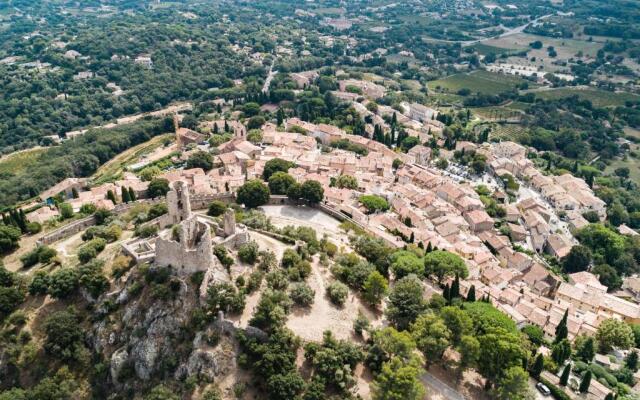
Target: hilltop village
319, 200
510, 224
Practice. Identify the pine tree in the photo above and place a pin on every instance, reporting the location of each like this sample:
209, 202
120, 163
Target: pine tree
421, 245
561, 329
132, 194
564, 378
585, 382
455, 288
74, 193
471, 295
219, 108
538, 366
610, 396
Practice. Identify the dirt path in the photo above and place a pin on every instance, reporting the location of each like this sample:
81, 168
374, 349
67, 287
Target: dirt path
323, 315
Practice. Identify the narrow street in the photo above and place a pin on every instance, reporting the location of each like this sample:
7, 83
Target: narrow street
437, 389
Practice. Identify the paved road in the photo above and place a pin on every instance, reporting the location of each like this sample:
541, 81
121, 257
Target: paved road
436, 386
267, 81
508, 32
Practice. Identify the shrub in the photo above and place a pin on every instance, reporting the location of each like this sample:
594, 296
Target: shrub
92, 278
39, 284
146, 231
63, 283
254, 281
64, 334
302, 294
337, 292
216, 208
224, 297
360, 324
221, 253
248, 253
33, 228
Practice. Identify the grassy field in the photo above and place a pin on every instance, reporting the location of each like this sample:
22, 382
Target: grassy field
599, 98
633, 132
19, 161
486, 49
478, 81
114, 167
632, 163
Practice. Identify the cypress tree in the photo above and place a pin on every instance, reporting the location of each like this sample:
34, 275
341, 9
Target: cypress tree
561, 329
610, 396
280, 116
132, 194
585, 382
564, 378
22, 221
455, 288
631, 361
111, 196
412, 238
421, 245
429, 248
446, 293
226, 126
538, 366
216, 130
125, 195
74, 193
471, 295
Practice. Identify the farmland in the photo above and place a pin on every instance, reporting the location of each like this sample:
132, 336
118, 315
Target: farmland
479, 81
599, 98
19, 161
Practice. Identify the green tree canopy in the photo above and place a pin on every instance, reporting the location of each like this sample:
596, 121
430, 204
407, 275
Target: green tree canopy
441, 264
253, 194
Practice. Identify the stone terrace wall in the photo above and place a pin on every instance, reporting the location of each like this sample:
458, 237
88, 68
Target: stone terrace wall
67, 230
82, 224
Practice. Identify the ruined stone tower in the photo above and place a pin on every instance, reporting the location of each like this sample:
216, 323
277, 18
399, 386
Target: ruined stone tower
178, 203
229, 223
189, 251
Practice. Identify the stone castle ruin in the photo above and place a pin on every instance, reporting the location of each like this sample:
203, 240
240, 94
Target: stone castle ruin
185, 240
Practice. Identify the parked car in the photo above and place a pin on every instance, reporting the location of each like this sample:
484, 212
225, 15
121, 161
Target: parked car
542, 388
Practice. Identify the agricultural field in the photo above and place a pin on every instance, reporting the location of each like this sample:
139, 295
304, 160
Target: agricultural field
19, 161
506, 131
496, 112
115, 167
565, 49
483, 82
599, 98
